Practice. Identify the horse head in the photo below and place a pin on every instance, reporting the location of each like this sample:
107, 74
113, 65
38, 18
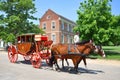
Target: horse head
96, 49
87, 47
100, 51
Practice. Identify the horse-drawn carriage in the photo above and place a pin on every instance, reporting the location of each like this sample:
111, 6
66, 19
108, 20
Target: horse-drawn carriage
33, 47
76, 53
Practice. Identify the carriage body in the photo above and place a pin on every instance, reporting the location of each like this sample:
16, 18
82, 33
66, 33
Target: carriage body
33, 47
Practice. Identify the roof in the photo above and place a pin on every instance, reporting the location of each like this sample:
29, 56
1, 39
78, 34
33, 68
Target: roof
60, 16
27, 34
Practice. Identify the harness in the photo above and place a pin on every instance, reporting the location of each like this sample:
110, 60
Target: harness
75, 53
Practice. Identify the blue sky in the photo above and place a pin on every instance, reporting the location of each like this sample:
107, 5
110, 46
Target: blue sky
66, 8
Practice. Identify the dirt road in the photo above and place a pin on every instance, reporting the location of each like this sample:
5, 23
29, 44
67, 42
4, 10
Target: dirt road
97, 70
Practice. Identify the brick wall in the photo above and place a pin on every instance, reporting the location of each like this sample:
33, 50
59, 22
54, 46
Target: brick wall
50, 17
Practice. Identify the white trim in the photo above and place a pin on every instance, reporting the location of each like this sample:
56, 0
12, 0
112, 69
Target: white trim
52, 38
48, 17
67, 21
62, 38
59, 18
44, 26
52, 25
52, 31
62, 25
68, 38
68, 29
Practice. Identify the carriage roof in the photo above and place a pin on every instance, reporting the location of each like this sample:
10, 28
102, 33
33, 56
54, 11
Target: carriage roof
27, 34
33, 36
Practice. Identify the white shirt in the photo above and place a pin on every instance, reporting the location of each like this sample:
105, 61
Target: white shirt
76, 39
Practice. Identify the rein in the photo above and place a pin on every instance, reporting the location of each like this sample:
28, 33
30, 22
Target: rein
71, 53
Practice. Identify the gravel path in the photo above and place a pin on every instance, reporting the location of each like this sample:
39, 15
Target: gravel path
96, 70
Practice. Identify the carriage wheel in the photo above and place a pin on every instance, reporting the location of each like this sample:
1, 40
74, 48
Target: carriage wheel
12, 55
36, 60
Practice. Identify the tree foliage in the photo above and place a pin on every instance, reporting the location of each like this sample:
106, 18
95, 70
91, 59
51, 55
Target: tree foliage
96, 22
17, 17
115, 24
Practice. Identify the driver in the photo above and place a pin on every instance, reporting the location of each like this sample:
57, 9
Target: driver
76, 40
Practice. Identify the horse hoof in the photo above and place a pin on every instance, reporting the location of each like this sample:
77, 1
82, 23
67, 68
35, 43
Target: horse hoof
54, 68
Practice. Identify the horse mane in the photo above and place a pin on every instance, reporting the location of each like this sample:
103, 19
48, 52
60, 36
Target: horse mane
83, 42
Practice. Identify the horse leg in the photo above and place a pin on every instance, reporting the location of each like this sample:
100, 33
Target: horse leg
63, 63
75, 64
76, 67
67, 62
85, 63
56, 64
84, 60
78, 61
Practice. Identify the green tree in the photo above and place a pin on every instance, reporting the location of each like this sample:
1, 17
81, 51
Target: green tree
18, 16
2, 29
18, 13
94, 17
115, 24
10, 38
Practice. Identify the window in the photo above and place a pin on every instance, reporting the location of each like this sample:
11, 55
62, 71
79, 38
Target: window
48, 17
68, 27
62, 25
72, 28
62, 38
71, 39
68, 39
53, 37
44, 26
53, 24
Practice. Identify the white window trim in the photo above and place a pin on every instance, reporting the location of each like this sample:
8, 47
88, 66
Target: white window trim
68, 38
52, 25
48, 17
43, 25
62, 25
72, 28
62, 38
54, 41
68, 27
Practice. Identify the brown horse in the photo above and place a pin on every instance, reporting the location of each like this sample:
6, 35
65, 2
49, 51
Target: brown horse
56, 49
61, 51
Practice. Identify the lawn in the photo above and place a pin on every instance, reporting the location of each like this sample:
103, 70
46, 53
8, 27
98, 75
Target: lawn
112, 52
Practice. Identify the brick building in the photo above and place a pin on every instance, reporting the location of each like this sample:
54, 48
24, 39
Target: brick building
58, 28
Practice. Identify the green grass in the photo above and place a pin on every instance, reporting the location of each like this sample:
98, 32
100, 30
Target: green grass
112, 53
